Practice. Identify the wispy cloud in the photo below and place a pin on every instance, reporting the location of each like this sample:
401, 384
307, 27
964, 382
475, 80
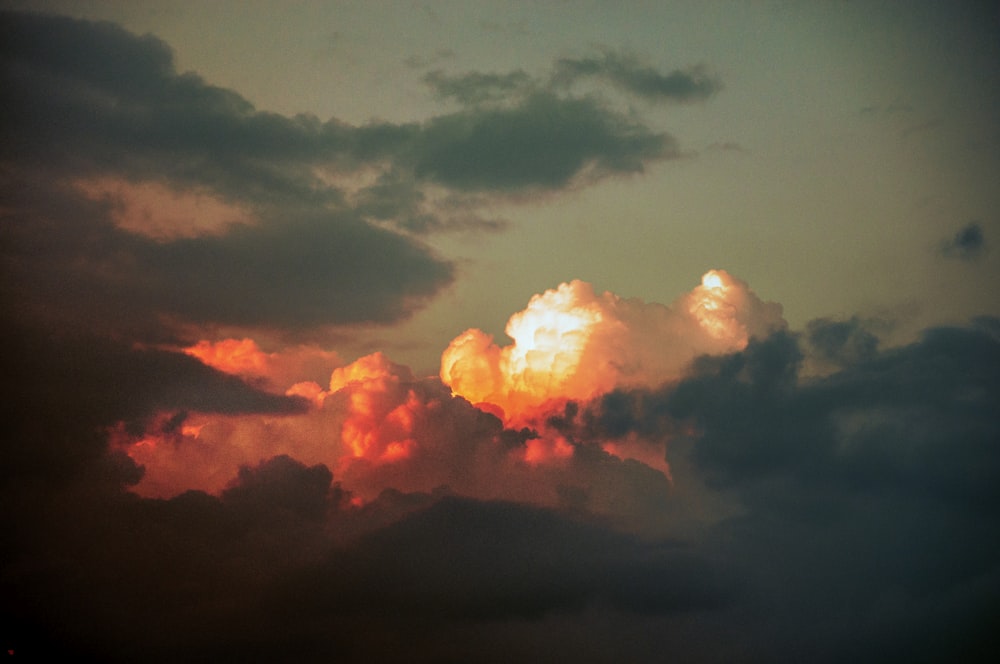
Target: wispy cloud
967, 244
631, 75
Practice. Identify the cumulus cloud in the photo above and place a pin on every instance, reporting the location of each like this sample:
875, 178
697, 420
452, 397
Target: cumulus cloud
573, 343
854, 509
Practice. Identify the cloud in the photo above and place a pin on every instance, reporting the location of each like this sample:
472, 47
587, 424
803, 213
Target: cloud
841, 343
692, 479
299, 260
297, 270
926, 403
969, 243
149, 203
542, 142
539, 561
62, 394
521, 131
421, 61
627, 73
573, 343
281, 483
847, 514
402, 201
866, 489
75, 115
476, 87
81, 111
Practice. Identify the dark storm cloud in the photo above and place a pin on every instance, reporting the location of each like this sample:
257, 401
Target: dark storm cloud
472, 560
872, 511
540, 143
841, 342
523, 132
75, 114
630, 75
88, 100
868, 524
280, 566
968, 243
160, 580
916, 419
61, 393
283, 484
299, 269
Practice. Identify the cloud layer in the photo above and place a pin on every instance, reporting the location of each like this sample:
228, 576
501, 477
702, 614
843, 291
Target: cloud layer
855, 515
187, 474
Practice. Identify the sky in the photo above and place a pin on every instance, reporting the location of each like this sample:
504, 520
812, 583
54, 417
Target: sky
500, 331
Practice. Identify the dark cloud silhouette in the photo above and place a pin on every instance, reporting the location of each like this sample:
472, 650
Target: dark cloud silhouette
298, 269
930, 403
150, 122
630, 75
91, 98
542, 142
60, 395
471, 560
967, 244
91, 103
161, 580
280, 565
841, 342
401, 200
874, 483
75, 111
863, 524
524, 132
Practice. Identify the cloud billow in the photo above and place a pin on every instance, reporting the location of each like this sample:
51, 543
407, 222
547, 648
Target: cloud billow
860, 518
929, 403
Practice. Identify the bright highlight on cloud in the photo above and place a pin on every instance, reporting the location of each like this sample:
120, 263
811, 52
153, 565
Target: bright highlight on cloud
378, 426
571, 343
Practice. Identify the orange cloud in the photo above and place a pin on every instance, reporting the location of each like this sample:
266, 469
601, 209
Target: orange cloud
164, 213
571, 343
376, 426
282, 370
242, 357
